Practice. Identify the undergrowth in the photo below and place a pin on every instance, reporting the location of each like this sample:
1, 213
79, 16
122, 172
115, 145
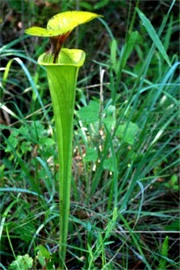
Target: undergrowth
124, 210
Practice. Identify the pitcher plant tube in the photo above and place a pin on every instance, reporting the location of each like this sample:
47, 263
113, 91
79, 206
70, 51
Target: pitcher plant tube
62, 66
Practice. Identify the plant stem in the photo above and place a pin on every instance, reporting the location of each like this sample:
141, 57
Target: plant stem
56, 45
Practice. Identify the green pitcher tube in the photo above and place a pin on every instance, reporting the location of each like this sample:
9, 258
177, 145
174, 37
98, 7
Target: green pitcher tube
62, 78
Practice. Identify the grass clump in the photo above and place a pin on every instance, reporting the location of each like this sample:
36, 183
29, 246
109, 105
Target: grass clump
124, 212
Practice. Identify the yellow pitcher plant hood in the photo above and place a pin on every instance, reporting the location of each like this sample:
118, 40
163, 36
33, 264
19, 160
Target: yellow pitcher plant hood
62, 23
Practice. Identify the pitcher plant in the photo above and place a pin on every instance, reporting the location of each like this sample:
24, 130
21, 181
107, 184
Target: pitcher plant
62, 66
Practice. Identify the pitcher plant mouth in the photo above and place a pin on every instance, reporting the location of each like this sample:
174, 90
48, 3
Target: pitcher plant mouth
66, 57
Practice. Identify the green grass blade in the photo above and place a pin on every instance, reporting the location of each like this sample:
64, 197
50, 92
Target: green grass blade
139, 248
20, 190
154, 36
164, 253
114, 189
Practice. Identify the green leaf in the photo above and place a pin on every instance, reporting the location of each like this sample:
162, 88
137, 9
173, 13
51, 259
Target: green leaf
90, 113
62, 23
110, 121
153, 35
91, 155
174, 226
86, 5
44, 252
129, 46
101, 4
22, 262
114, 53
174, 179
110, 118
25, 147
173, 183
43, 255
127, 132
164, 253
25, 232
46, 141
108, 164
11, 141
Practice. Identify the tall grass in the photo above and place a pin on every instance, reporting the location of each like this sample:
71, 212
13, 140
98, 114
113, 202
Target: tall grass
124, 205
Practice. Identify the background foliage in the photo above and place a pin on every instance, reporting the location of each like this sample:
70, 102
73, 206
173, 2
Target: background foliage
125, 193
